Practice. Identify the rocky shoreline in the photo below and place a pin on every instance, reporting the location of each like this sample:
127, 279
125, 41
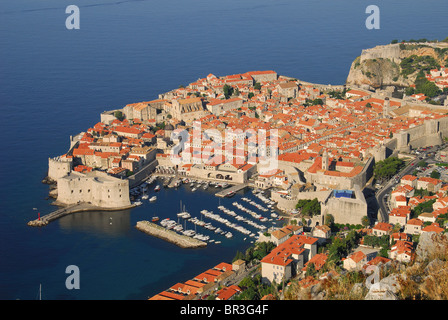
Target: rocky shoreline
168, 235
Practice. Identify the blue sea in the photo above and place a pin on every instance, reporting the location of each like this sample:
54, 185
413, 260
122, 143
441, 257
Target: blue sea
55, 82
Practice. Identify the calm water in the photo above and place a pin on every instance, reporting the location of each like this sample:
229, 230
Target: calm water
54, 83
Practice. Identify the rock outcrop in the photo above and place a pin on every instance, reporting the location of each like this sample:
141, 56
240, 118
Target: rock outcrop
380, 66
431, 246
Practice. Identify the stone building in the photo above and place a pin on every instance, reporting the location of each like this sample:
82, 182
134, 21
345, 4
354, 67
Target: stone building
59, 166
95, 187
188, 109
288, 89
217, 106
346, 206
266, 75
144, 110
287, 259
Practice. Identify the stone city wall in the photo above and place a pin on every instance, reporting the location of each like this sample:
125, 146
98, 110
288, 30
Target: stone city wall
96, 188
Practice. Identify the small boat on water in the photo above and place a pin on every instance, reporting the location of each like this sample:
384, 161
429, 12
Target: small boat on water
157, 188
230, 194
155, 219
153, 199
194, 189
184, 215
145, 196
138, 203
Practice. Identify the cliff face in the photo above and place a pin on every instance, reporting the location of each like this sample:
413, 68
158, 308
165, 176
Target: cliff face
381, 66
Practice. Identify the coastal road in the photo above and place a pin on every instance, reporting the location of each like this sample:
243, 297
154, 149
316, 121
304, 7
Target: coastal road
382, 194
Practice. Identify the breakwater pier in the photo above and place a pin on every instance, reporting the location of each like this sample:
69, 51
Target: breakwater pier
168, 235
79, 207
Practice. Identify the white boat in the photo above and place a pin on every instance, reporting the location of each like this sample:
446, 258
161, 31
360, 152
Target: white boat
194, 189
138, 203
184, 215
218, 242
154, 198
164, 222
189, 233
145, 196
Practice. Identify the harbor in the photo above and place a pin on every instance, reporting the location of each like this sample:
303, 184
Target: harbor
212, 225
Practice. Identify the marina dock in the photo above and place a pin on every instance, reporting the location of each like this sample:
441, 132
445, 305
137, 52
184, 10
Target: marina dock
234, 188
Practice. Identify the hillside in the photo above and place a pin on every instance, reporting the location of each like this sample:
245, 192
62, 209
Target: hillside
396, 64
425, 278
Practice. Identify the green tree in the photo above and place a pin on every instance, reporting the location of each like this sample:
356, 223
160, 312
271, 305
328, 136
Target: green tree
435, 174
422, 163
257, 86
315, 102
239, 255
365, 221
228, 90
310, 269
119, 115
422, 207
309, 207
329, 220
387, 168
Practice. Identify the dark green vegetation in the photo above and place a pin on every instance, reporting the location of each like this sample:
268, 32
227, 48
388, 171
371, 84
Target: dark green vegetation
315, 102
383, 242
422, 207
341, 247
256, 252
119, 115
435, 174
387, 168
254, 288
309, 207
228, 91
417, 63
337, 94
423, 85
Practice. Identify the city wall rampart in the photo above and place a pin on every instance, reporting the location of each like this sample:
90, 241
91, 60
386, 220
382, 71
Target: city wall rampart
429, 133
